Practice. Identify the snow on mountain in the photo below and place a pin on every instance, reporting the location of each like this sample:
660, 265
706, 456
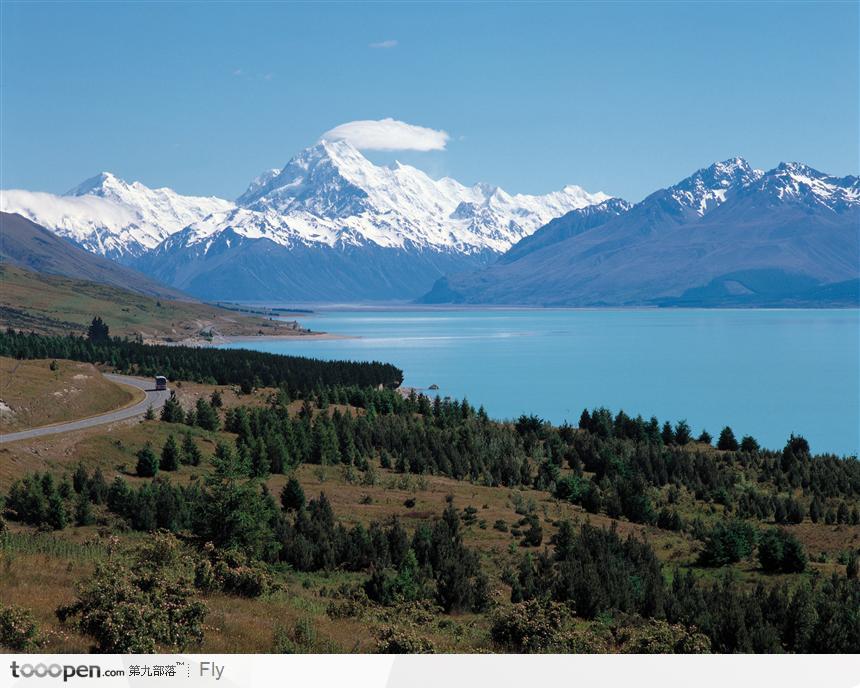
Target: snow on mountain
796, 183
707, 188
111, 217
331, 194
726, 235
258, 183
328, 194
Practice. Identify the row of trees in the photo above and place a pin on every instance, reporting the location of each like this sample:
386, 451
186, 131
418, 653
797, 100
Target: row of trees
242, 367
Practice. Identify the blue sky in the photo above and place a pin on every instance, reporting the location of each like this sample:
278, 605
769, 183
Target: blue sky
623, 98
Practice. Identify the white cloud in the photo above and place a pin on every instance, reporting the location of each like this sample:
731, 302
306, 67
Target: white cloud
388, 135
390, 43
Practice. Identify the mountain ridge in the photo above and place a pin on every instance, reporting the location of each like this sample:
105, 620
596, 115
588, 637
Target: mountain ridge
30, 246
368, 231
331, 225
728, 218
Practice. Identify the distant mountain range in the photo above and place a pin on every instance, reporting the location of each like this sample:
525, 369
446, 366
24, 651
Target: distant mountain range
332, 226
728, 235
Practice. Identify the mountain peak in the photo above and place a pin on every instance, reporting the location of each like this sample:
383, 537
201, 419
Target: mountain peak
796, 182
709, 187
93, 185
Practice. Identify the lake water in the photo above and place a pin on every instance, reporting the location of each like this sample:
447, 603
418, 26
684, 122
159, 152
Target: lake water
766, 373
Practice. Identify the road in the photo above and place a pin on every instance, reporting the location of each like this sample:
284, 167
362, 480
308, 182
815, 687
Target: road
153, 398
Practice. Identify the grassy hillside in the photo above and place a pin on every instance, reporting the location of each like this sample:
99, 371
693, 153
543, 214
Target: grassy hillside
50, 304
358, 519
34, 393
28, 245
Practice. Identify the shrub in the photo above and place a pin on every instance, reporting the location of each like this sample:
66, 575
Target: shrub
232, 572
402, 641
532, 626
350, 603
18, 630
635, 635
301, 638
140, 606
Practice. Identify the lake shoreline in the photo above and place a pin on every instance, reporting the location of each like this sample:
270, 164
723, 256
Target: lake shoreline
767, 373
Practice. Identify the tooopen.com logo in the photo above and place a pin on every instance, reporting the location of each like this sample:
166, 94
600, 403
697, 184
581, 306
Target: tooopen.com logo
64, 671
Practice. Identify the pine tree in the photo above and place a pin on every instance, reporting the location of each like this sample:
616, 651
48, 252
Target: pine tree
325, 448
794, 556
207, 416
83, 511
80, 478
277, 453
98, 331
97, 487
191, 454
667, 435
682, 432
147, 462
534, 535
172, 411
749, 444
727, 441
292, 496
118, 496
816, 509
169, 455
56, 517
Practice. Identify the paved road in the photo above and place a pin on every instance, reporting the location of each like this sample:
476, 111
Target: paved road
153, 398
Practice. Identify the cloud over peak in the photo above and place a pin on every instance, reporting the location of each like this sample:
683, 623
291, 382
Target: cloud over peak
388, 135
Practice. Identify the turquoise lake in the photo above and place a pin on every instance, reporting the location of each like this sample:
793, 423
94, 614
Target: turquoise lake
766, 373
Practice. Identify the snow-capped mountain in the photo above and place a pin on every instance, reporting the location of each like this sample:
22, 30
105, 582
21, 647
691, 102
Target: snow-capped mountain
331, 194
726, 235
704, 190
111, 217
329, 207
800, 185
331, 225
329, 197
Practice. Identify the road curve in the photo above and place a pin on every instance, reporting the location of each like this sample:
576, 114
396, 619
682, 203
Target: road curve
153, 398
